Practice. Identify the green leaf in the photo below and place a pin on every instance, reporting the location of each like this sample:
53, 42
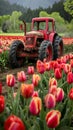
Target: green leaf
64, 128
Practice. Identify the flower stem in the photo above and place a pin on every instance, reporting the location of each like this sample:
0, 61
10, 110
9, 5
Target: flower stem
63, 84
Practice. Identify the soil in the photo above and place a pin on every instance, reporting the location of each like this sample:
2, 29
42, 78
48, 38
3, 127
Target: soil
4, 73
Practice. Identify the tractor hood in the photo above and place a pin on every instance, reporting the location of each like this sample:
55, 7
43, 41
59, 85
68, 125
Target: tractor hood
40, 34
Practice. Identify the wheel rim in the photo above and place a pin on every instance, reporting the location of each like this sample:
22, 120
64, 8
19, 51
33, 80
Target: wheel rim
49, 53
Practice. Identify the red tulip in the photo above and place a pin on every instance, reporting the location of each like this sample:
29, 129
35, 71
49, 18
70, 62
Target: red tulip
35, 79
30, 69
21, 76
56, 64
50, 101
59, 95
35, 106
62, 66
53, 118
52, 81
14, 123
70, 94
58, 73
0, 88
2, 103
40, 67
27, 90
10, 80
70, 77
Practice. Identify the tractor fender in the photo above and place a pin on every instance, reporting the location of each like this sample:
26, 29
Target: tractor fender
52, 36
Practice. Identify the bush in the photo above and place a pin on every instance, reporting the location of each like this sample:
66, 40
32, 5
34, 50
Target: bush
3, 60
68, 48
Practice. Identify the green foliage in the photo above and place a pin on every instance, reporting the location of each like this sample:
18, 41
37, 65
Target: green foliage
55, 15
14, 21
68, 48
3, 60
68, 5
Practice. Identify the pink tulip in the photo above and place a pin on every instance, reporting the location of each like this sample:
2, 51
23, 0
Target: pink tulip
71, 63
53, 118
47, 66
35, 79
70, 56
35, 94
50, 101
53, 89
30, 70
21, 76
40, 67
59, 95
52, 81
35, 106
67, 68
70, 77
70, 94
10, 80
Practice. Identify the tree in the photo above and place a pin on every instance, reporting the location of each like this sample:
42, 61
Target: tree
68, 5
55, 15
14, 21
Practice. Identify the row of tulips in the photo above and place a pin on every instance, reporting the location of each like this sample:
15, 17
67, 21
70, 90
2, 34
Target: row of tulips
5, 41
41, 99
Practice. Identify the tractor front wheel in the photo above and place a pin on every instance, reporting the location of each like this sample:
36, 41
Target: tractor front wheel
17, 47
46, 51
57, 47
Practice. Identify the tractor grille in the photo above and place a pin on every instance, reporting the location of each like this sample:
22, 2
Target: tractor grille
29, 40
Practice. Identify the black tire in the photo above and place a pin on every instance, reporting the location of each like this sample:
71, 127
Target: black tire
46, 51
16, 47
57, 47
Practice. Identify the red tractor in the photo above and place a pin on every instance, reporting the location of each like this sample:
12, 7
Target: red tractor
41, 42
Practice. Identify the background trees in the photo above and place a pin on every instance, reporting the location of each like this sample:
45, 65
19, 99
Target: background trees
62, 11
68, 5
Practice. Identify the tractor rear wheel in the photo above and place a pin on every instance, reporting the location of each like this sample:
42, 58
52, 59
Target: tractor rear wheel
45, 51
57, 47
17, 47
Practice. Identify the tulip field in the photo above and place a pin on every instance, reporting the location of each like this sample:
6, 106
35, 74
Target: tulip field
37, 97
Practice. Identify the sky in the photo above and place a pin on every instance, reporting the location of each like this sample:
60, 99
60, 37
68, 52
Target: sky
33, 4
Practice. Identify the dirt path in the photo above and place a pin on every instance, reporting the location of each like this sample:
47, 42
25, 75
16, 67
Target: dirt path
12, 71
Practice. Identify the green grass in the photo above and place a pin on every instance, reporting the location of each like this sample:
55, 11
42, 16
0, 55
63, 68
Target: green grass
12, 34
